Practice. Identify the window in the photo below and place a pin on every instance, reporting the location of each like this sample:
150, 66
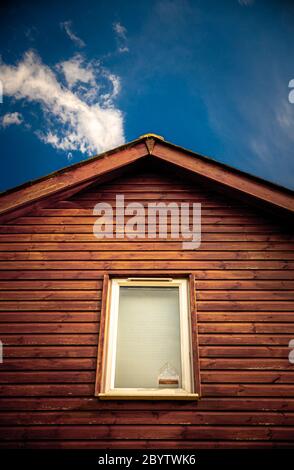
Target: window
145, 347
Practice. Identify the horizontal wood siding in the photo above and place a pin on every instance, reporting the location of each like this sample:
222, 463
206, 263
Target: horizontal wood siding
51, 275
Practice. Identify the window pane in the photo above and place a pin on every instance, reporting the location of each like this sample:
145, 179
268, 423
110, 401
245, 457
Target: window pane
148, 351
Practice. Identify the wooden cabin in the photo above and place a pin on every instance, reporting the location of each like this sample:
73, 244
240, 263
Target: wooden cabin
136, 342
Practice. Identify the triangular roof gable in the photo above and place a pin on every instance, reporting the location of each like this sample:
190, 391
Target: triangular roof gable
76, 177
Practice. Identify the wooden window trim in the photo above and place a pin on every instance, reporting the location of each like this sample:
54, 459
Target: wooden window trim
194, 334
132, 394
103, 314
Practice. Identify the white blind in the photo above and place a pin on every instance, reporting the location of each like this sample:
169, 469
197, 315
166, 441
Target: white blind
148, 351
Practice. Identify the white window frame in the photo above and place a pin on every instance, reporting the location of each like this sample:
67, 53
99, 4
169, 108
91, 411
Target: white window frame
108, 391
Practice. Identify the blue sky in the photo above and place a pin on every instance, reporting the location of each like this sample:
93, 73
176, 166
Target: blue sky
81, 77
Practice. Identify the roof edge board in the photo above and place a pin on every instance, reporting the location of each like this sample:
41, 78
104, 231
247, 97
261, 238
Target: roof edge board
147, 145
74, 175
64, 169
226, 166
222, 174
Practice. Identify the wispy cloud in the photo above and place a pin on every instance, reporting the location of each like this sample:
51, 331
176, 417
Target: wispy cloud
11, 118
67, 26
275, 137
31, 33
264, 123
77, 118
121, 37
246, 3
167, 46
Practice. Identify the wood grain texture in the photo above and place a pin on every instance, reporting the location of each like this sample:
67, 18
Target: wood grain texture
101, 343
53, 290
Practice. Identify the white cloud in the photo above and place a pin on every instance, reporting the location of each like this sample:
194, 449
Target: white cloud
74, 70
73, 121
120, 29
123, 49
67, 26
11, 118
115, 82
121, 37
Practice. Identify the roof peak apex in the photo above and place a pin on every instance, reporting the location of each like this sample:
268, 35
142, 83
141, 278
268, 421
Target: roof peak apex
150, 135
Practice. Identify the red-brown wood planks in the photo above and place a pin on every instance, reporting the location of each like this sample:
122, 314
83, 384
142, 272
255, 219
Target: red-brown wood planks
51, 278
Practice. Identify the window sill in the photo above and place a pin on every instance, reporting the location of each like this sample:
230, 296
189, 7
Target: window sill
147, 396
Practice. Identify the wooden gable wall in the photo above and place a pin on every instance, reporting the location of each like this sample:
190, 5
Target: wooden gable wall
51, 279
